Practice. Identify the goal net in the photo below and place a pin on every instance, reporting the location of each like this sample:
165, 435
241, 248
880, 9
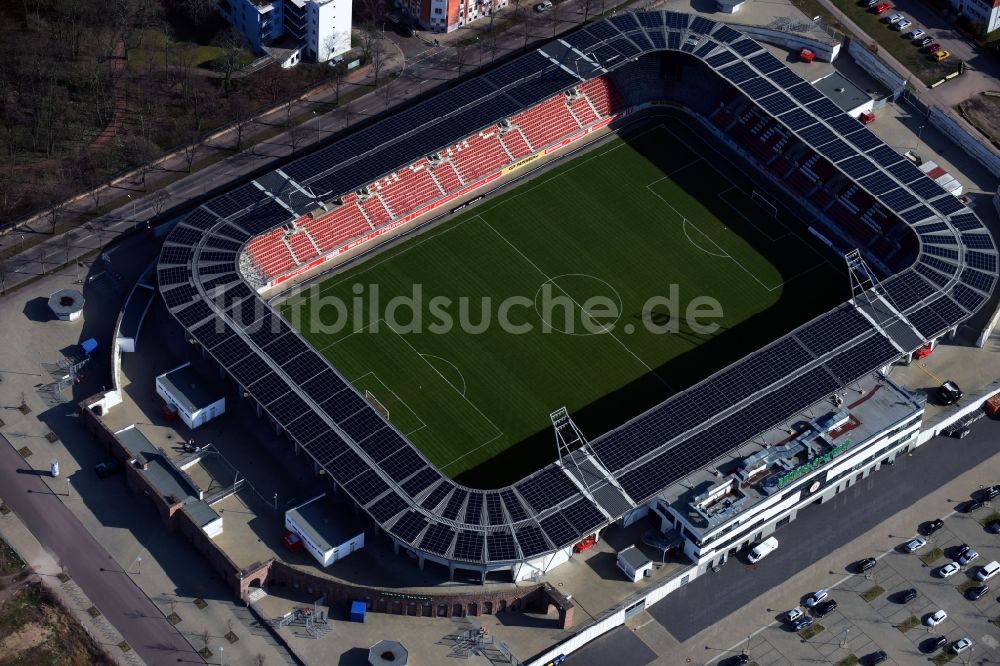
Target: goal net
766, 205
379, 407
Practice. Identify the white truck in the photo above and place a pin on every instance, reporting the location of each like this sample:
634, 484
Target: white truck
763, 549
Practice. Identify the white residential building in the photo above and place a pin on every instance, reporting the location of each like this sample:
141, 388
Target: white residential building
318, 29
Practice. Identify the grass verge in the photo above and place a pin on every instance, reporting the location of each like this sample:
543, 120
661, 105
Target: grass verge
932, 556
942, 658
909, 623
849, 660
811, 631
873, 593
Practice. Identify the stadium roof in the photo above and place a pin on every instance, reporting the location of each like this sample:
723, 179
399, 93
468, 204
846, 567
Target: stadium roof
382, 471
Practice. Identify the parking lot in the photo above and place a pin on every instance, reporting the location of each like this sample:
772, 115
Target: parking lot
871, 615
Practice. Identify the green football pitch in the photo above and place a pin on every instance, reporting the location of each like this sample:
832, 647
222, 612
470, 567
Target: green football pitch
572, 289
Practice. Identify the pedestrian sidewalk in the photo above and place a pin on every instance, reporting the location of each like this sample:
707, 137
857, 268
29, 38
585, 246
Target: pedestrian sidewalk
18, 537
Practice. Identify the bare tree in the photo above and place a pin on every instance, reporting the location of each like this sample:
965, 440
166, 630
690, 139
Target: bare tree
233, 45
555, 21
378, 56
160, 199
189, 151
242, 116
369, 40
339, 73
586, 10
297, 136
460, 54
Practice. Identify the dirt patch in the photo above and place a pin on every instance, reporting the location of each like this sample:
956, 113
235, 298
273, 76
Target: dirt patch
983, 112
27, 637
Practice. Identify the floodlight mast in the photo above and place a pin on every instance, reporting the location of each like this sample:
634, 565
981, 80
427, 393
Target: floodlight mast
569, 438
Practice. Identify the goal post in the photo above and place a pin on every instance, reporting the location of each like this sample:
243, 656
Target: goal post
374, 402
764, 203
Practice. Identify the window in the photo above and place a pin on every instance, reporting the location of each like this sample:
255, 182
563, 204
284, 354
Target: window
437, 10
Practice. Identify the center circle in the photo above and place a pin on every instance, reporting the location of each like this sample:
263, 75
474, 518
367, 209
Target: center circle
560, 302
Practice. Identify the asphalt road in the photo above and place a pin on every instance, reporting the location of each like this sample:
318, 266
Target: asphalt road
818, 530
141, 623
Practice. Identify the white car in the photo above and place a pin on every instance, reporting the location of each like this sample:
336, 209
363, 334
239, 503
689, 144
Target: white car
961, 645
968, 557
543, 6
903, 25
794, 614
949, 569
915, 544
817, 597
895, 18
937, 618
916, 34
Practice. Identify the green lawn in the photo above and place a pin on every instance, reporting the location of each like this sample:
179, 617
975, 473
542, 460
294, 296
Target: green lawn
597, 261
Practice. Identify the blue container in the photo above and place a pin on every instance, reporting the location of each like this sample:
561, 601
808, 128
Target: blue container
358, 610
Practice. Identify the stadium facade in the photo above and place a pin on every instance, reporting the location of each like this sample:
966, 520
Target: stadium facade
782, 410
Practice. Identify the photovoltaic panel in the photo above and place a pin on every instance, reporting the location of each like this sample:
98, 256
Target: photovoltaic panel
268, 388
287, 408
409, 526
659, 40
304, 367
856, 167
977, 241
514, 507
581, 40
454, 504
885, 155
223, 206
345, 403
249, 370
797, 119
785, 78
307, 427
469, 546
826, 109
948, 310
805, 93
184, 235
863, 139
500, 547
650, 19
558, 529
437, 538
325, 385
720, 59
906, 288
702, 25
926, 188
899, 199
757, 88
382, 443
927, 322
726, 34
201, 218
817, 135
175, 254
494, 510
737, 73
870, 354
346, 466
931, 227
917, 214
677, 20
625, 47
981, 260
674, 41
765, 62
386, 508
947, 204
837, 150
832, 330
531, 540
474, 508
776, 104
978, 279
938, 251
877, 183
745, 47
220, 243
175, 275
403, 463
965, 222
625, 21
583, 516
934, 276
603, 30
641, 41
937, 264
546, 488
327, 448
180, 296
705, 48
231, 350
843, 124
437, 495
366, 487
967, 298
904, 171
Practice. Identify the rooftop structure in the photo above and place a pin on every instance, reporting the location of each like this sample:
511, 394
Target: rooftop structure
849, 97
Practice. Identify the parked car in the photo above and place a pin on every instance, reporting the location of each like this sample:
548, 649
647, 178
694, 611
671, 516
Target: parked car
936, 618
968, 557
915, 545
869, 3
875, 658
931, 526
903, 25
915, 34
962, 550
961, 645
935, 643
802, 623
906, 596
949, 570
988, 571
737, 660
994, 527
976, 593
923, 41
107, 468
989, 492
865, 565
934, 48
825, 608
794, 614
974, 504
882, 7
543, 6
895, 18
816, 597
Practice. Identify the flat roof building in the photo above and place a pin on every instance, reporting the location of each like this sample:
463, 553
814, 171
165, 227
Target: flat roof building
325, 538
186, 392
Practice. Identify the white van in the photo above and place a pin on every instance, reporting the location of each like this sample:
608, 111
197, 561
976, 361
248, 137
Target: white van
763, 549
988, 570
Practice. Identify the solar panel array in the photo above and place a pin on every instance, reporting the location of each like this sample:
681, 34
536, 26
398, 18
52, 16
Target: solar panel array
200, 284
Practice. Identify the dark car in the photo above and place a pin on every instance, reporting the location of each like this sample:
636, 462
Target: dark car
948, 393
923, 41
935, 643
825, 608
107, 468
972, 505
989, 492
933, 526
875, 658
977, 593
906, 596
994, 527
865, 565
737, 660
962, 550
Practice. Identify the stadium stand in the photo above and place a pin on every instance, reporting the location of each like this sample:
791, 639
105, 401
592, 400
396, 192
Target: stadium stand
413, 187
515, 143
546, 123
270, 254
479, 155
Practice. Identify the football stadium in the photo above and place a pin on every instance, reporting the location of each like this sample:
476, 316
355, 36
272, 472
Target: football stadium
597, 191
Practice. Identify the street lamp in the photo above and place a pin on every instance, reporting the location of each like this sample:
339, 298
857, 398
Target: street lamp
222, 655
319, 124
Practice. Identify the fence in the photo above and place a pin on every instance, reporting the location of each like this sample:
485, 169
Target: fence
877, 69
825, 49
